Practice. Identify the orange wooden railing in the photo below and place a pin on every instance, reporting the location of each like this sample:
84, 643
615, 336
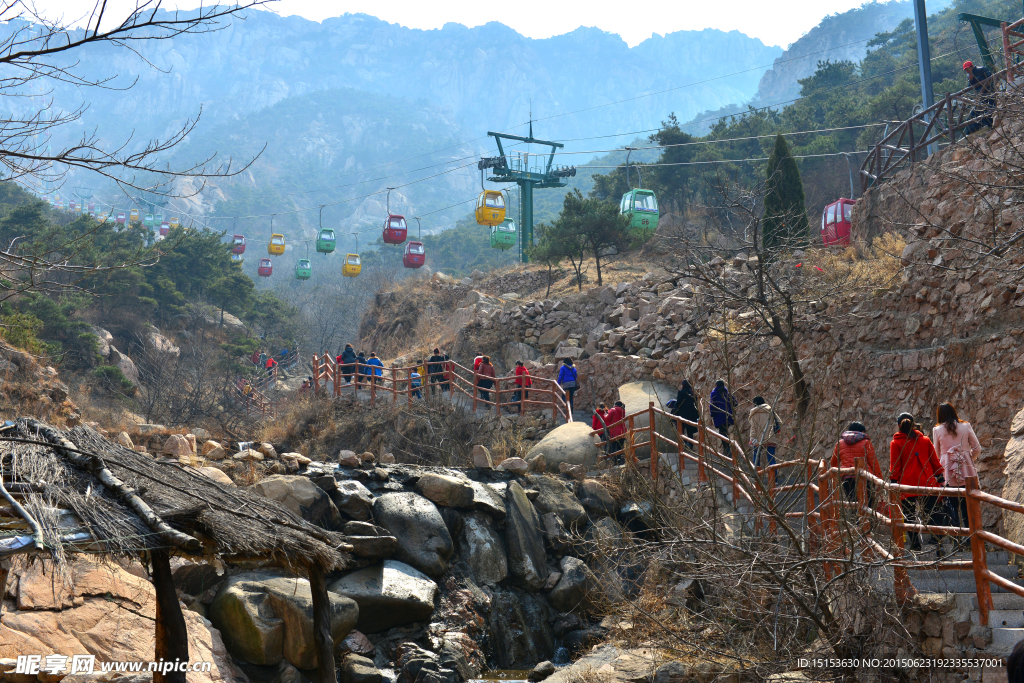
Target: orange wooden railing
825, 501
1013, 49
544, 394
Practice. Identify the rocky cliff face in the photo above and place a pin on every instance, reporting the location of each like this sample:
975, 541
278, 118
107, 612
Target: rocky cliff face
836, 38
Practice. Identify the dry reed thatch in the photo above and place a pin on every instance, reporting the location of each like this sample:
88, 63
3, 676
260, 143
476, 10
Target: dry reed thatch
52, 471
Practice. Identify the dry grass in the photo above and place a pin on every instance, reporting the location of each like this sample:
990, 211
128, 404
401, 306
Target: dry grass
862, 266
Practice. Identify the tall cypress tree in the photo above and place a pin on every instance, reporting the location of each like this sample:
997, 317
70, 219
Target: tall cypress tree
785, 216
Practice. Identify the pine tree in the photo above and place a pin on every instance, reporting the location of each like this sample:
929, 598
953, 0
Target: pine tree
785, 216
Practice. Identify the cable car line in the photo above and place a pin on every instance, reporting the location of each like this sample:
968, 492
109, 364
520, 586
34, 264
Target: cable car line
736, 161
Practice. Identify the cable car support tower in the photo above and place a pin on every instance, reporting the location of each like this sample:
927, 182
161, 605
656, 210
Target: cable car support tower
518, 170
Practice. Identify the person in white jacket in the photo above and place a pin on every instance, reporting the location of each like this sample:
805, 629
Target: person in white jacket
958, 449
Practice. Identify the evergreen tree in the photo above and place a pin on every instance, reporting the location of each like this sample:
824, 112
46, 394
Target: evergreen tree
785, 216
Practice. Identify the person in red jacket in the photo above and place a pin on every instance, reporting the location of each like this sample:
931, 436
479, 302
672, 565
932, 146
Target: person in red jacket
523, 383
485, 378
599, 423
913, 462
617, 430
854, 443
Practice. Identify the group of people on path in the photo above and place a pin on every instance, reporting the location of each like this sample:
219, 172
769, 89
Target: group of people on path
944, 460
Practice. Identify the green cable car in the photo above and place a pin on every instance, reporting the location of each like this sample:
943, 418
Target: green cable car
503, 235
148, 220
303, 269
325, 241
642, 208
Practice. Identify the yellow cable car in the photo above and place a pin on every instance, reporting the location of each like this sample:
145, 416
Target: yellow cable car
352, 265
276, 245
133, 215
490, 208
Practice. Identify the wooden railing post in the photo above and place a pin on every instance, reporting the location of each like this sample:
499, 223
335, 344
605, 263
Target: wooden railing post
632, 441
825, 507
978, 557
735, 473
863, 523
1007, 54
497, 396
681, 463
476, 381
950, 121
902, 586
702, 476
771, 497
813, 528
653, 439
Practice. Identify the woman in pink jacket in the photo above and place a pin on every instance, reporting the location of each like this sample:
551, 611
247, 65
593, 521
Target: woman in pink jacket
958, 448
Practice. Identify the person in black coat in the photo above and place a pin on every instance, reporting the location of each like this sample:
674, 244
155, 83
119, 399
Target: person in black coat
435, 370
347, 360
686, 408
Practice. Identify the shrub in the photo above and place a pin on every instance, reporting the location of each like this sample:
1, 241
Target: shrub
113, 379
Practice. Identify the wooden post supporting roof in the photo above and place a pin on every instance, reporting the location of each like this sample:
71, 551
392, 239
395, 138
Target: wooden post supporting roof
325, 672
171, 634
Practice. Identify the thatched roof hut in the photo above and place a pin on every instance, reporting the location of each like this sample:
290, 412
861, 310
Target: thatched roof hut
77, 491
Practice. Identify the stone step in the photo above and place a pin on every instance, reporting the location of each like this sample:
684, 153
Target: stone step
957, 580
1002, 618
1004, 640
1000, 601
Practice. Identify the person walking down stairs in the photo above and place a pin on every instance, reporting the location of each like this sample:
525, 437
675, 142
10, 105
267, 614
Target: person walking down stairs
764, 425
854, 443
485, 377
723, 407
435, 371
958, 448
912, 462
686, 408
568, 380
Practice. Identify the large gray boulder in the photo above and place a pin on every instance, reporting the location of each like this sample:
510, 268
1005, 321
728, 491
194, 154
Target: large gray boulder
388, 594
267, 616
637, 396
526, 557
353, 500
303, 497
554, 496
578, 590
483, 550
596, 499
444, 490
487, 499
570, 443
423, 538
513, 351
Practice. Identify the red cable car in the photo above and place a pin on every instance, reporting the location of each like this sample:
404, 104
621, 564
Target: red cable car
239, 242
266, 268
120, 218
72, 206
395, 229
835, 223
165, 229
92, 209
415, 255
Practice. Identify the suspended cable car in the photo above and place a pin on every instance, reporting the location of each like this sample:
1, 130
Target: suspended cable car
133, 215
72, 206
640, 205
120, 218
174, 221
352, 265
490, 208
165, 228
276, 244
642, 208
237, 257
395, 228
266, 268
148, 220
239, 242
503, 236
326, 240
835, 223
92, 208
415, 253
158, 219
303, 269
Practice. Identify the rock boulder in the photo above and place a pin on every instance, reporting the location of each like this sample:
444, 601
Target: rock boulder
555, 497
526, 557
483, 549
569, 443
266, 616
353, 500
444, 490
423, 538
389, 594
303, 497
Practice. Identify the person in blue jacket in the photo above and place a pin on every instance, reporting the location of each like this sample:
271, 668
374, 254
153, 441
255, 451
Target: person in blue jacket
723, 406
377, 369
568, 379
